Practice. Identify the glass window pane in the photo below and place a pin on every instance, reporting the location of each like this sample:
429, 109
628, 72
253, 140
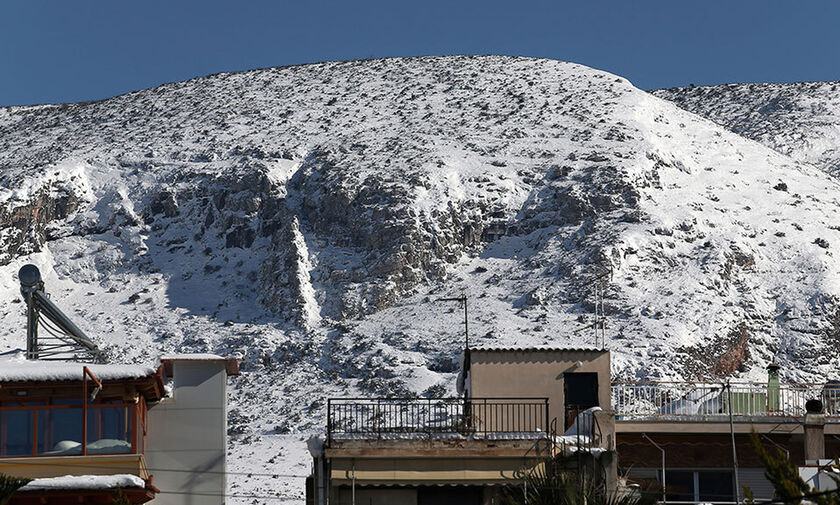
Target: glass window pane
715, 486
679, 485
59, 432
109, 430
67, 401
16, 430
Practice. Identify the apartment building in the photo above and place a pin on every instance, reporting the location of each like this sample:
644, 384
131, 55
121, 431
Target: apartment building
521, 407
516, 406
691, 436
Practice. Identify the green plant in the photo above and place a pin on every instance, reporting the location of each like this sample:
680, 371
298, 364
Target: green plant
9, 485
120, 498
550, 485
788, 485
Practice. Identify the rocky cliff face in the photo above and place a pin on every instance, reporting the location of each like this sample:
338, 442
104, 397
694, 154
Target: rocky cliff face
309, 219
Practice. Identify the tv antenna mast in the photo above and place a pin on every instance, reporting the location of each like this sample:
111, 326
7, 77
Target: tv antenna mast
598, 283
463, 300
63, 340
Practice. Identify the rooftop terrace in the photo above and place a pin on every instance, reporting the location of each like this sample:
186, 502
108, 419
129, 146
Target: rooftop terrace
697, 401
395, 418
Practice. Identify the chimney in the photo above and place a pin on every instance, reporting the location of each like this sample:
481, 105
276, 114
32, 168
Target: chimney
773, 388
814, 431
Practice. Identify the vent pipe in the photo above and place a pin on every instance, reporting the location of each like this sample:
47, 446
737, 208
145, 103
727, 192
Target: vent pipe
773, 388
814, 431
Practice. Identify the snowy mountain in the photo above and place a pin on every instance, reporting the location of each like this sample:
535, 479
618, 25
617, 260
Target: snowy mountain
799, 119
308, 220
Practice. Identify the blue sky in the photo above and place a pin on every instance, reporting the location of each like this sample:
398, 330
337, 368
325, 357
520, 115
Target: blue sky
67, 51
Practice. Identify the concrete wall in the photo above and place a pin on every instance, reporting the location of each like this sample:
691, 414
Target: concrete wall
188, 433
536, 373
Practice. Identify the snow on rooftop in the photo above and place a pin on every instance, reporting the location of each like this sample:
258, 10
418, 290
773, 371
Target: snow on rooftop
192, 357
536, 349
20, 370
85, 482
231, 365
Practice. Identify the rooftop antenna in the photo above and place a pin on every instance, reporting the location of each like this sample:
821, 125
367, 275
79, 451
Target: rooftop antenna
64, 340
463, 300
600, 324
467, 361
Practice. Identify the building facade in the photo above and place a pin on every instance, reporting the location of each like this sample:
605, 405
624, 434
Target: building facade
697, 433
522, 407
465, 450
83, 430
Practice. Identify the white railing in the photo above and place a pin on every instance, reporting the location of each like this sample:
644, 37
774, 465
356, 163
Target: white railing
695, 400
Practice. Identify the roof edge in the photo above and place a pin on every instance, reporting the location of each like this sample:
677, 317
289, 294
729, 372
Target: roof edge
231, 364
537, 349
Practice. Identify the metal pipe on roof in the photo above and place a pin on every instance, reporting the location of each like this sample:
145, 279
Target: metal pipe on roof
734, 452
37, 302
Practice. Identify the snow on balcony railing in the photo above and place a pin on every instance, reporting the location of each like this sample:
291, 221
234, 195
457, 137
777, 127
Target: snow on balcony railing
699, 401
389, 418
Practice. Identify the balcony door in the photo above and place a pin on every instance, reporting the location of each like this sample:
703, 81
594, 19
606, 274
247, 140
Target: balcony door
580, 392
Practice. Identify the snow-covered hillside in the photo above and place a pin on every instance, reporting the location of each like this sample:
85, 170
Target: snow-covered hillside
308, 220
799, 119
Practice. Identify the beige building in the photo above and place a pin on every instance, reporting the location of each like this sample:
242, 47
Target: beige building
517, 405
572, 380
521, 407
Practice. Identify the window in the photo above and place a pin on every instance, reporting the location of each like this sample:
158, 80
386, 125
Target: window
715, 486
60, 428
109, 430
706, 486
16, 432
679, 485
55, 427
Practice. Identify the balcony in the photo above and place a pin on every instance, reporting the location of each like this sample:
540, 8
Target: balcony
436, 418
696, 401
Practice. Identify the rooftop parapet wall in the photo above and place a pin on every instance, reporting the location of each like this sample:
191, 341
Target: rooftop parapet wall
528, 445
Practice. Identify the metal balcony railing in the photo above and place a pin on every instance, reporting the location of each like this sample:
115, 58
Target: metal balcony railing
364, 418
702, 401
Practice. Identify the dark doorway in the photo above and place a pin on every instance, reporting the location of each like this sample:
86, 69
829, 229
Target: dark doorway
580, 392
449, 495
